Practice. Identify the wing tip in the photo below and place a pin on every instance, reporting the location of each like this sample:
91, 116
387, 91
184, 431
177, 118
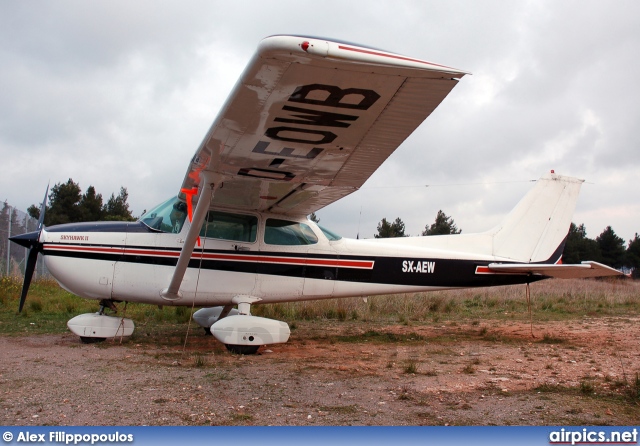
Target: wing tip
301, 46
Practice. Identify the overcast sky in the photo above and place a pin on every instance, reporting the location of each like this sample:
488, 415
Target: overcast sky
120, 93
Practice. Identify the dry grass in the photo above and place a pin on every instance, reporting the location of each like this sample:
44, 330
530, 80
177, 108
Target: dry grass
48, 305
551, 300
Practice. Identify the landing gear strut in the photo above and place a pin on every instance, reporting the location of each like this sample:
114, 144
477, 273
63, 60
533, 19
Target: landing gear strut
104, 303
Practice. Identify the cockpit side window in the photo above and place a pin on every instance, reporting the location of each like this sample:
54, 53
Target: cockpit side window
227, 226
332, 236
284, 232
167, 217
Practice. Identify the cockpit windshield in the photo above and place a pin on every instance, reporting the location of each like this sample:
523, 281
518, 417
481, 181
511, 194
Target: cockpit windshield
167, 217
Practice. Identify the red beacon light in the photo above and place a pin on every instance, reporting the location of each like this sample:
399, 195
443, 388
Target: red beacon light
305, 45
553, 171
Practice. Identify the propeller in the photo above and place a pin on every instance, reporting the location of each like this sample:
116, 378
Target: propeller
31, 240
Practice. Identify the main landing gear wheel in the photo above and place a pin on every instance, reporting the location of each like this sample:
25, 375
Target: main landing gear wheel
242, 349
88, 340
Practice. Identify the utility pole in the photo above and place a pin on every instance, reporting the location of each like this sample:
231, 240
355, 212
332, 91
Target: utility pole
9, 241
26, 251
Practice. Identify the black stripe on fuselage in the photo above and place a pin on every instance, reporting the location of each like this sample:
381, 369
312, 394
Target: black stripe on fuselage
385, 270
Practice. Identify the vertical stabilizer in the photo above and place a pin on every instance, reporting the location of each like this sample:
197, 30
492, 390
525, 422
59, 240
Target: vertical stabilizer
539, 224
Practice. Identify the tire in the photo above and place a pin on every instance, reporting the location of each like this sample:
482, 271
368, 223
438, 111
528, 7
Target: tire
88, 340
242, 349
207, 331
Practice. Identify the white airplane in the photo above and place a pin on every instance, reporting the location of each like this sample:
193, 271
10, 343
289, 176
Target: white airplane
308, 122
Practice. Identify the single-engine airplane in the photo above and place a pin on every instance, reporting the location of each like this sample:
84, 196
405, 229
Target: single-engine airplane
308, 123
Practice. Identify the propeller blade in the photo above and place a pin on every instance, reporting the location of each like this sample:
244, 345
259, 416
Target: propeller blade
28, 275
42, 209
31, 240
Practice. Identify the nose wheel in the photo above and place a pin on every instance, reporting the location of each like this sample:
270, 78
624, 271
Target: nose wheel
88, 340
104, 303
98, 327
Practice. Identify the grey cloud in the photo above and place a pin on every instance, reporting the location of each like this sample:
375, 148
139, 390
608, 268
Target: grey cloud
121, 93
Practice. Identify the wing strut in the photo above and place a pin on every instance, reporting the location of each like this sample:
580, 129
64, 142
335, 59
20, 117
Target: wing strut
207, 189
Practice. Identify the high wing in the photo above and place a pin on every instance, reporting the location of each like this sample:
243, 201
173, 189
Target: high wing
310, 120
577, 271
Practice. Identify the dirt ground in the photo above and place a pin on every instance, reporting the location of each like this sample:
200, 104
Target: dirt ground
334, 373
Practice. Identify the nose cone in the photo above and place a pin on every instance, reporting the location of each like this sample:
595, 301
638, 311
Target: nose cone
28, 240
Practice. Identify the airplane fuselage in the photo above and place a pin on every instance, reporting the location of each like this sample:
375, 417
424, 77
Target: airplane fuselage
130, 261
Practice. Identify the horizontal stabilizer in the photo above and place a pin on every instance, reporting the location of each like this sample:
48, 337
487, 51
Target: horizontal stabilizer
575, 271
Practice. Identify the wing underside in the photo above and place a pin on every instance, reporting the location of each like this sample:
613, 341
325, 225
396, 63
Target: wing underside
310, 120
576, 271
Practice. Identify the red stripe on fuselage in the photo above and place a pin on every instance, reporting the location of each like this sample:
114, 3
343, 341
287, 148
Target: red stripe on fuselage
484, 270
487, 270
359, 264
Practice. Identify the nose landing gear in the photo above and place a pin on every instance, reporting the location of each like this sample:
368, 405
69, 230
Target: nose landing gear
97, 327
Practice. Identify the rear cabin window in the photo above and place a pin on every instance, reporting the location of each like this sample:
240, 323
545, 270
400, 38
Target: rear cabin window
332, 236
284, 232
227, 226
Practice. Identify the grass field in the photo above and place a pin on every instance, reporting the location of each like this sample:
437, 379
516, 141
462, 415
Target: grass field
48, 307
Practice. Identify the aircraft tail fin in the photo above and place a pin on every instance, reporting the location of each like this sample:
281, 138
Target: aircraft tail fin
536, 229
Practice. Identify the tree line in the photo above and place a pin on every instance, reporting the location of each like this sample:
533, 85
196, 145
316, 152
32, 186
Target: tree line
443, 225
607, 248
67, 204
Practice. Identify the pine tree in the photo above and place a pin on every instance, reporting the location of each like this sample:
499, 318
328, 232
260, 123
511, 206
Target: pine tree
389, 230
611, 248
442, 226
91, 205
64, 207
579, 247
117, 208
633, 256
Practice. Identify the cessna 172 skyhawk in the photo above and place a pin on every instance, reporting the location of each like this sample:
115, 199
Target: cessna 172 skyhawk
308, 122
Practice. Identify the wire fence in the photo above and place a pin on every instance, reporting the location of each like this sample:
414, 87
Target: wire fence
13, 257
